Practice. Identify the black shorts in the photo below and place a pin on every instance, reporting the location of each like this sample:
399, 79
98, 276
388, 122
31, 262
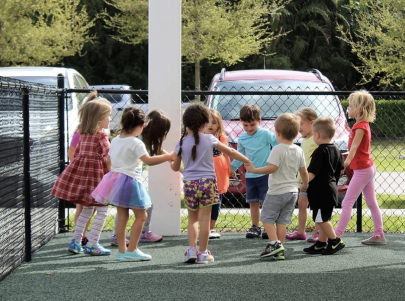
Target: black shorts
321, 215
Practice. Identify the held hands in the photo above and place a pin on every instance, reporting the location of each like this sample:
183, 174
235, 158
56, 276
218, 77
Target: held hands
249, 166
172, 156
303, 187
232, 173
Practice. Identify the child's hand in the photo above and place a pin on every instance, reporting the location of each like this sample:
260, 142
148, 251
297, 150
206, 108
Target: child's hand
303, 187
346, 164
172, 156
232, 173
249, 166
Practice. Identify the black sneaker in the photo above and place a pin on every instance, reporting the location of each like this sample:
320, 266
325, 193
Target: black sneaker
272, 250
316, 248
254, 232
333, 246
264, 235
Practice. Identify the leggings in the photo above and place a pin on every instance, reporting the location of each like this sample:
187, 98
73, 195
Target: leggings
97, 226
146, 226
362, 181
216, 209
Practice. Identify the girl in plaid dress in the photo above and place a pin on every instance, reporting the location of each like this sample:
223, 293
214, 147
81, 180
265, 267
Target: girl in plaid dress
88, 167
122, 186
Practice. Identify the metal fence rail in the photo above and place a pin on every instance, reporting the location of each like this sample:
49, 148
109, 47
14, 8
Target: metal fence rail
28, 168
388, 145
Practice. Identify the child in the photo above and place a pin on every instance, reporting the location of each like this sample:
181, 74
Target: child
284, 162
362, 108
153, 134
222, 166
122, 186
308, 116
256, 144
71, 154
82, 175
200, 189
324, 171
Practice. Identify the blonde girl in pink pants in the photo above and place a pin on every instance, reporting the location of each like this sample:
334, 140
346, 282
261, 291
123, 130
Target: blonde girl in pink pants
361, 108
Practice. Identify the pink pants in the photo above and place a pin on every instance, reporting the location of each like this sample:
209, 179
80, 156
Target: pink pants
362, 181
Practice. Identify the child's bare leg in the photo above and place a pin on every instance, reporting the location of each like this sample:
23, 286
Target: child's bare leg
302, 213
271, 231
120, 229
281, 232
326, 232
255, 213
192, 228
136, 229
204, 218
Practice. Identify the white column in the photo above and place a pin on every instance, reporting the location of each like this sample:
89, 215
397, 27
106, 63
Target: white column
165, 94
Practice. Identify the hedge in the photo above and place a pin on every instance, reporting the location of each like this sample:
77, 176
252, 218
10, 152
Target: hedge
390, 118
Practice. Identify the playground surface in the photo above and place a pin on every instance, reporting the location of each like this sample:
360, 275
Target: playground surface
358, 272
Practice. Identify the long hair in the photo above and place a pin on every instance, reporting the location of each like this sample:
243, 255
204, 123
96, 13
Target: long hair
131, 118
363, 102
155, 132
218, 118
91, 114
194, 117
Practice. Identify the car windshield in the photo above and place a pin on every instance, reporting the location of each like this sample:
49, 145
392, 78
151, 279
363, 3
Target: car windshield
273, 106
113, 98
45, 80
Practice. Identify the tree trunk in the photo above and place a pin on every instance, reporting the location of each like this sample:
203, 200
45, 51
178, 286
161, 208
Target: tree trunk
197, 78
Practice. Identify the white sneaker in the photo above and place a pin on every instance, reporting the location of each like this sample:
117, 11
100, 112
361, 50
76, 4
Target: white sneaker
214, 234
375, 240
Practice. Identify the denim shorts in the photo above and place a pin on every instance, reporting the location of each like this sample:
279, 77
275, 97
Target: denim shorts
256, 189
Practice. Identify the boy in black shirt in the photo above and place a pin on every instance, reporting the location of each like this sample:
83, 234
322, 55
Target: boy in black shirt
324, 171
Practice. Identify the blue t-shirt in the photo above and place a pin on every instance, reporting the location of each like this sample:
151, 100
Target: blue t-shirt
203, 165
256, 148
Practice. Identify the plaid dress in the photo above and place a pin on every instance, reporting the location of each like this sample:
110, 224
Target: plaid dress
81, 177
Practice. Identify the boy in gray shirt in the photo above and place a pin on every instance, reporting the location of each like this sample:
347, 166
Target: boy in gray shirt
285, 161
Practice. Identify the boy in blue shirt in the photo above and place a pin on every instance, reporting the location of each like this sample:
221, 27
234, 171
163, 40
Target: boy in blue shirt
255, 143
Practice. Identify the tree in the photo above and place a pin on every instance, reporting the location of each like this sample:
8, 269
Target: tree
378, 40
41, 32
217, 30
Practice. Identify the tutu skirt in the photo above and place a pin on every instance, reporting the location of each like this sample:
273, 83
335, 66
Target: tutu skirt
118, 189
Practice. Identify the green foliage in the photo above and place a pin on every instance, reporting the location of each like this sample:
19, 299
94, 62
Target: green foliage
389, 118
379, 41
42, 32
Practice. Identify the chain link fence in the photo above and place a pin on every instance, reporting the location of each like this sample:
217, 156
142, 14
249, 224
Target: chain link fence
29, 166
388, 145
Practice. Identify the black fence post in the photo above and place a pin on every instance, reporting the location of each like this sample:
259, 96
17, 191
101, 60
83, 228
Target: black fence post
359, 206
27, 172
61, 116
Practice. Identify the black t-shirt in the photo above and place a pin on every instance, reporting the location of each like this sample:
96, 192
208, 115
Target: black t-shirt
326, 164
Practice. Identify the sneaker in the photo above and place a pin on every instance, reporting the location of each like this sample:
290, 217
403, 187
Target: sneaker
272, 250
136, 255
279, 256
120, 256
148, 236
254, 232
114, 241
314, 237
333, 246
264, 235
191, 255
296, 236
84, 241
376, 240
316, 248
214, 234
205, 257
75, 247
96, 250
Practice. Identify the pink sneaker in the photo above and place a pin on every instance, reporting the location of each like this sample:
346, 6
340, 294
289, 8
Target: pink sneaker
150, 237
205, 257
296, 236
114, 241
314, 237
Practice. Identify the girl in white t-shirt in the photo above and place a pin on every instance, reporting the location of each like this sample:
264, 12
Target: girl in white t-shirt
122, 186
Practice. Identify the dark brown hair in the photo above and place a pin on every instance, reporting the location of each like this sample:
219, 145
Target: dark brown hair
324, 126
155, 131
194, 117
288, 125
250, 113
131, 118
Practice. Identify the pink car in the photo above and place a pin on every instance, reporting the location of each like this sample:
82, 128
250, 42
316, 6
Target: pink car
274, 105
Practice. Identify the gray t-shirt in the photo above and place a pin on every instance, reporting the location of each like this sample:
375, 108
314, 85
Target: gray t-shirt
203, 166
289, 159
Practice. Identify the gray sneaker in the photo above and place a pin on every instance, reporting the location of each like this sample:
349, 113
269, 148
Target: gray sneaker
375, 241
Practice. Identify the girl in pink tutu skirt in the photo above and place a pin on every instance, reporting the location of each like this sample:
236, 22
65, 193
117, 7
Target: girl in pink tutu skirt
122, 186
